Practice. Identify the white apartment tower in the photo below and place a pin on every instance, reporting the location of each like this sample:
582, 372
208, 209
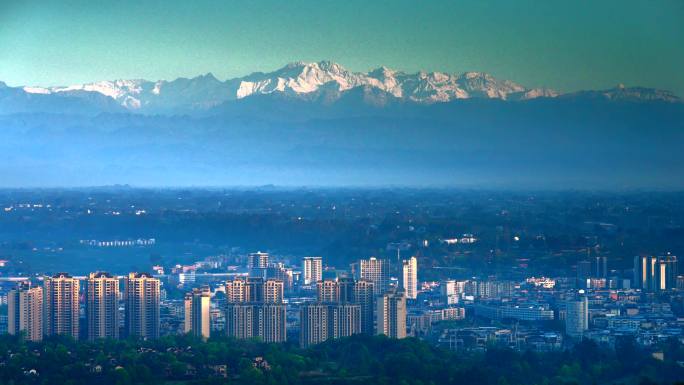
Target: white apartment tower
60, 301
25, 311
257, 260
376, 271
142, 305
255, 308
102, 306
409, 277
312, 268
197, 312
577, 317
391, 314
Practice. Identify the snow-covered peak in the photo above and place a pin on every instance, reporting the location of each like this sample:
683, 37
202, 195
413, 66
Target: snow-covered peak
325, 77
36, 90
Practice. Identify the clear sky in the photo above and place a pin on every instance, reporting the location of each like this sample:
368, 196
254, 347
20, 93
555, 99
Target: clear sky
566, 45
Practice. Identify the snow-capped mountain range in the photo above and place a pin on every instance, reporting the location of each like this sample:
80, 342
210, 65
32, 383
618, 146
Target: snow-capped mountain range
307, 80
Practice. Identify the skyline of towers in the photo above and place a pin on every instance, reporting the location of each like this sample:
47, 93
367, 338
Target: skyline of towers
655, 273
347, 290
391, 314
197, 304
255, 307
142, 299
335, 314
25, 311
312, 270
409, 277
102, 306
61, 305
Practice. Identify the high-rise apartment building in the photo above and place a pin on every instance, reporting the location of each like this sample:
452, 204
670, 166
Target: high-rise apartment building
102, 306
653, 273
409, 277
197, 312
273, 291
376, 271
312, 269
364, 295
344, 320
346, 290
255, 308
577, 317
666, 276
327, 291
257, 260
25, 311
451, 291
391, 314
271, 322
60, 305
600, 266
253, 289
279, 272
142, 292
313, 324
322, 321
241, 319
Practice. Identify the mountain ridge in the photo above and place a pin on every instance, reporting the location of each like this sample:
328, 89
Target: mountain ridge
303, 80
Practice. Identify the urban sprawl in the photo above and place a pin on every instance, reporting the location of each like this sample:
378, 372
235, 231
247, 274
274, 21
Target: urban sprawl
311, 302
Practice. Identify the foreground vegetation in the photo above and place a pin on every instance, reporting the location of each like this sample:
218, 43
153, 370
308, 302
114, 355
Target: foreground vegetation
356, 360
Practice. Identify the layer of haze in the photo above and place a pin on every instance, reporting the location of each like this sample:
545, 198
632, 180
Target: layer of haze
566, 45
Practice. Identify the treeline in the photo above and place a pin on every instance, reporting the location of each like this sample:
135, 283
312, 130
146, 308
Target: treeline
355, 360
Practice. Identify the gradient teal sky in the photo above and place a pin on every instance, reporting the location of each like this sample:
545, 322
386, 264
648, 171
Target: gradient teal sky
566, 45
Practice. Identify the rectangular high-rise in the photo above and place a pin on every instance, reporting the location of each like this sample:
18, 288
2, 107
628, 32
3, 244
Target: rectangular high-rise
653, 273
142, 305
257, 260
409, 277
322, 321
313, 324
364, 296
391, 314
197, 312
25, 311
327, 291
271, 322
102, 306
346, 290
60, 305
667, 272
255, 308
577, 317
312, 269
253, 289
376, 271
